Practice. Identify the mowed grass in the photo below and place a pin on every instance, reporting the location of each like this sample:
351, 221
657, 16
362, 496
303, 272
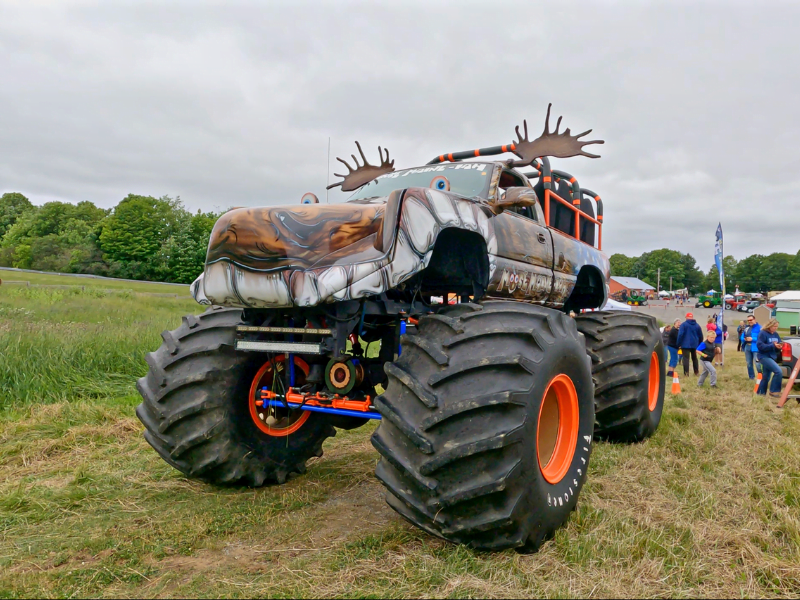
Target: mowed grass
89, 282
710, 506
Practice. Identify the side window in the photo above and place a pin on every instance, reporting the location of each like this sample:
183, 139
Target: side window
510, 179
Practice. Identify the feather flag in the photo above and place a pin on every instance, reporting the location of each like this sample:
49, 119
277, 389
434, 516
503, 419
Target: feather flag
718, 260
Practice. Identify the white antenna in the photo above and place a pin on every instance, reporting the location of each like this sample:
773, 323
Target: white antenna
328, 172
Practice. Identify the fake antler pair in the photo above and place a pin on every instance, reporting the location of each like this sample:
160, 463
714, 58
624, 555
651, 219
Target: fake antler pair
558, 145
362, 174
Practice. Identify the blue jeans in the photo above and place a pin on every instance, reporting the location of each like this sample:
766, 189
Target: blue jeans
770, 367
673, 357
748, 356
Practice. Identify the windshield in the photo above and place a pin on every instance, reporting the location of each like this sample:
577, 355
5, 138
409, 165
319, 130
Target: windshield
467, 179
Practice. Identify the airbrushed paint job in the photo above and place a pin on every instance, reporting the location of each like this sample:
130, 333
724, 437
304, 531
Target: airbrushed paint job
305, 255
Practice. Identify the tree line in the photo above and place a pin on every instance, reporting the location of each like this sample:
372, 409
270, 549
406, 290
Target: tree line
756, 273
142, 237
157, 239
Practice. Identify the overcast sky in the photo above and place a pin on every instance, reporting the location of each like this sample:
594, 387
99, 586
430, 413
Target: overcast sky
232, 104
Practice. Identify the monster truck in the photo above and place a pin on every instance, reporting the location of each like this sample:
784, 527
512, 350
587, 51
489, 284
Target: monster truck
323, 317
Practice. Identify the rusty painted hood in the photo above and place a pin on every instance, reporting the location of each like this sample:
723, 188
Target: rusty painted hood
304, 236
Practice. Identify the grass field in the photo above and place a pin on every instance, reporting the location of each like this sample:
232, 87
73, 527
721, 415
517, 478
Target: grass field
90, 282
710, 506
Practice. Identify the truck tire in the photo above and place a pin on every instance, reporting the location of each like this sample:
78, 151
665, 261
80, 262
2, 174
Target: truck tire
487, 424
628, 368
196, 409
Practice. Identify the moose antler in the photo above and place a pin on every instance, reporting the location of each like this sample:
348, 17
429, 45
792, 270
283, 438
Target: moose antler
362, 174
559, 145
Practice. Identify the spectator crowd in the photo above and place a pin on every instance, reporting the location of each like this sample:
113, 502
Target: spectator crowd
686, 342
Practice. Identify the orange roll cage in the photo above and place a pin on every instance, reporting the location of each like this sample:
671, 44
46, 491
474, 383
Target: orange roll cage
548, 194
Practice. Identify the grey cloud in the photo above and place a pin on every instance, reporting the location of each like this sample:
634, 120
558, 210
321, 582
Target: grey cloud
233, 104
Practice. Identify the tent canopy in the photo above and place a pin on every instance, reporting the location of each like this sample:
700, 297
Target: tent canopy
614, 305
790, 295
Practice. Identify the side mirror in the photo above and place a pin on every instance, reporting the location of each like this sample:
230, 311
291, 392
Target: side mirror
514, 196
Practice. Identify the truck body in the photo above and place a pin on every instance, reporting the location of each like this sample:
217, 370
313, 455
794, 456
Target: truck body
386, 235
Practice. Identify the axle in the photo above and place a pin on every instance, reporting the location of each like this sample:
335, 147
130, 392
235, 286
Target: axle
320, 402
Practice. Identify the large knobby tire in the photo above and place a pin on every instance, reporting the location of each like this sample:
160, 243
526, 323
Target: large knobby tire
459, 439
196, 409
628, 368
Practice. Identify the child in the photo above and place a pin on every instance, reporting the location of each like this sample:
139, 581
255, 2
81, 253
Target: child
711, 325
706, 352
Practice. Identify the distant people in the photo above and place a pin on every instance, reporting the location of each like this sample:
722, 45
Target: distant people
769, 344
740, 337
672, 347
707, 351
751, 332
690, 337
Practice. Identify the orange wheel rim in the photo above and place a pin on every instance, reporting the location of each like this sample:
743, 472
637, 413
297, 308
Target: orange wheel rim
287, 424
557, 431
653, 382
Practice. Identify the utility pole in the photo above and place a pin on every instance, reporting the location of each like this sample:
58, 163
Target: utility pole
670, 285
658, 281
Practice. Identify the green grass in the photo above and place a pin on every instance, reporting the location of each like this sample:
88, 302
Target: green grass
710, 506
70, 344
88, 282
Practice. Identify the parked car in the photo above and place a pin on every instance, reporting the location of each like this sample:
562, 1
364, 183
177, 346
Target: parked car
748, 306
734, 303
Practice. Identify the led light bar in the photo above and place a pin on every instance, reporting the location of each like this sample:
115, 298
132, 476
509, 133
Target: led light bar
294, 347
297, 330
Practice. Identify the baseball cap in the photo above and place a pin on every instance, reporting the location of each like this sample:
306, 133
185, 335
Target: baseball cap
689, 316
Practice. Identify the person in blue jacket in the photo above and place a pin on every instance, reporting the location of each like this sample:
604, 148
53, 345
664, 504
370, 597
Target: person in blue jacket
690, 335
750, 349
769, 344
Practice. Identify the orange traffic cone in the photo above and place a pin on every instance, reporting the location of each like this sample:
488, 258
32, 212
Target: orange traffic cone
758, 383
676, 385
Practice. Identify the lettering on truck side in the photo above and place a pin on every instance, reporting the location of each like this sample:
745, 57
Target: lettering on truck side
530, 284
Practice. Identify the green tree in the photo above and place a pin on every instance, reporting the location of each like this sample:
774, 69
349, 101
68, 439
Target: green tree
692, 276
711, 280
621, 265
132, 236
776, 271
12, 206
44, 238
183, 255
749, 276
794, 272
670, 263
